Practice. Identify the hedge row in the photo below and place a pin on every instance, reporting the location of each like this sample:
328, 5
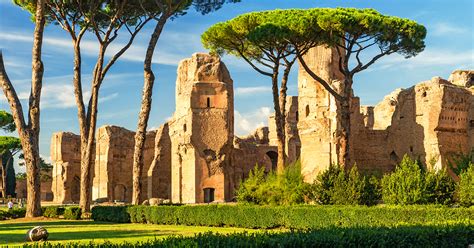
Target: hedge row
292, 217
412, 236
69, 213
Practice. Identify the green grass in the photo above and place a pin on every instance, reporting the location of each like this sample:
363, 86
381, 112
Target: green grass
13, 232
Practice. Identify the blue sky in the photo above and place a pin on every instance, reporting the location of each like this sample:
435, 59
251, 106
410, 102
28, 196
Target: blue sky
449, 46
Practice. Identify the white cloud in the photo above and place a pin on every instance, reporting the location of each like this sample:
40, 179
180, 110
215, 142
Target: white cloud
431, 57
89, 47
245, 123
246, 91
443, 28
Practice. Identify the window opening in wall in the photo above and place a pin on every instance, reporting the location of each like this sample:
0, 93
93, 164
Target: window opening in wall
208, 195
208, 102
184, 127
307, 110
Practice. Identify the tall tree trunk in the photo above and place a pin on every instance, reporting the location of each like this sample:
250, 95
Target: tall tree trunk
282, 100
343, 138
278, 122
4, 177
87, 149
140, 135
29, 133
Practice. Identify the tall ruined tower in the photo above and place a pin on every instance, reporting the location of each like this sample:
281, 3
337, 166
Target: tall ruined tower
201, 131
317, 112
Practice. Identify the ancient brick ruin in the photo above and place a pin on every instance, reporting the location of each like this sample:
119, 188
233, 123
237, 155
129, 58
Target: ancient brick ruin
195, 157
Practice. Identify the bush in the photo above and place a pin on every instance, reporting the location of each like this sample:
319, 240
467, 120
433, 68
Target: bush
116, 214
465, 190
72, 213
291, 217
273, 189
410, 236
12, 213
410, 184
336, 186
52, 211
440, 187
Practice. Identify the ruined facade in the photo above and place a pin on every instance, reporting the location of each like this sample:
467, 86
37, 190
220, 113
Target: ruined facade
66, 160
429, 121
292, 138
113, 164
195, 156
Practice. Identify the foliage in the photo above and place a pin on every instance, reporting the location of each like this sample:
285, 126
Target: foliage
10, 180
45, 168
405, 185
440, 187
465, 190
287, 188
72, 213
410, 184
20, 176
459, 162
12, 213
336, 186
292, 217
53, 211
116, 214
6, 122
408, 236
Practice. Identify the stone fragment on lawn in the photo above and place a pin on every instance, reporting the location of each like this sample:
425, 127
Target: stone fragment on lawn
37, 233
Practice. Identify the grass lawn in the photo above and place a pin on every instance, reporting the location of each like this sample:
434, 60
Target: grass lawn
13, 232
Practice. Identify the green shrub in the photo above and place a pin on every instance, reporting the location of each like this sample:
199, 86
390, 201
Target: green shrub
440, 187
408, 236
465, 190
291, 217
273, 189
459, 162
117, 214
52, 211
72, 213
406, 185
336, 186
12, 213
410, 184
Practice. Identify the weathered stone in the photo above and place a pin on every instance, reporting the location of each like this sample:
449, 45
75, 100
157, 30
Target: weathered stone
159, 173
293, 144
146, 203
464, 78
201, 131
429, 121
37, 233
66, 160
113, 164
155, 201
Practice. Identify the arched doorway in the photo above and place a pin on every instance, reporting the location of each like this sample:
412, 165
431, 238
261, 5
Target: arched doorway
120, 192
274, 158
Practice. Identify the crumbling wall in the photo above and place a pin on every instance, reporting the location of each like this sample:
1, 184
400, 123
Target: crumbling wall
66, 160
202, 131
113, 171
318, 112
159, 173
293, 144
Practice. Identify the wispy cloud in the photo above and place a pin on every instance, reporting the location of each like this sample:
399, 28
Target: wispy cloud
431, 57
246, 123
136, 53
249, 91
444, 28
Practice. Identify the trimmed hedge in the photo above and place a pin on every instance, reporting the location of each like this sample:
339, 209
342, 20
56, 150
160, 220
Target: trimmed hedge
294, 217
408, 236
53, 211
72, 213
12, 213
